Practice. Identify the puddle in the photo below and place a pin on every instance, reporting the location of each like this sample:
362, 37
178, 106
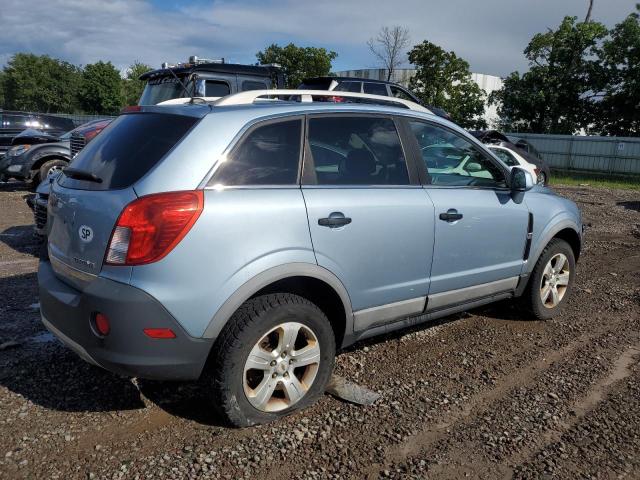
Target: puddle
42, 337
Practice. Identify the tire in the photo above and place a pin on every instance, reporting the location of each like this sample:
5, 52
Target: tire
236, 388
539, 280
46, 168
542, 178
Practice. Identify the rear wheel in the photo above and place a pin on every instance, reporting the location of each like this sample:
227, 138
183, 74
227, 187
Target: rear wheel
552, 280
275, 356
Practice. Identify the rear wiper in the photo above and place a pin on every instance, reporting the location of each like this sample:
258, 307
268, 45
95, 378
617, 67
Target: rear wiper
81, 175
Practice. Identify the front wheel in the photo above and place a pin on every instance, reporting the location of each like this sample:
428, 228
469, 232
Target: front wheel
542, 179
274, 357
552, 280
49, 169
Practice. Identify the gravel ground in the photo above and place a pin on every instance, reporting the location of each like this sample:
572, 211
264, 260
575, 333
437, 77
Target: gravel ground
484, 394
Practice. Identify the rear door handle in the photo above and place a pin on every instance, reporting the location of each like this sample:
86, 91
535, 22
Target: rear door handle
334, 220
451, 215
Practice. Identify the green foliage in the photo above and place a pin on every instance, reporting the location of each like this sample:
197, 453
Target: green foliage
298, 63
619, 111
40, 83
101, 90
444, 80
557, 94
132, 86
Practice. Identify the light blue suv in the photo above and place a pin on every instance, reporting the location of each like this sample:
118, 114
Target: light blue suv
244, 242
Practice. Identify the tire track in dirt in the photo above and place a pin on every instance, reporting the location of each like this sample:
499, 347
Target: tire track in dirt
475, 406
464, 448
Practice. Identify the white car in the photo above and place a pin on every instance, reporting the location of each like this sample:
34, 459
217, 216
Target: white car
513, 159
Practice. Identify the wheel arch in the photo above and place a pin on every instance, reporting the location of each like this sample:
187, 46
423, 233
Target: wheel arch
564, 227
572, 237
39, 161
310, 281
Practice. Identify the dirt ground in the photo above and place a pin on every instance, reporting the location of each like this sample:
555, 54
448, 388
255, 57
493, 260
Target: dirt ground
486, 394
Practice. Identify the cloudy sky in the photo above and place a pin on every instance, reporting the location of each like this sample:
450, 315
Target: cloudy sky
490, 34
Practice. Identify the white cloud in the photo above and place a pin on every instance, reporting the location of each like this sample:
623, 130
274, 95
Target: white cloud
490, 34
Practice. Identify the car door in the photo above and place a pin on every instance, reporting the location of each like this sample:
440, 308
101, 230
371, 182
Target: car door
371, 223
481, 226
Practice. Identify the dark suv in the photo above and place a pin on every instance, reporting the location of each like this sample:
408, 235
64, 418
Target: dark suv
206, 78
366, 85
12, 123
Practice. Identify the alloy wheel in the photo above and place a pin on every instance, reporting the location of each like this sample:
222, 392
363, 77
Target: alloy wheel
281, 367
555, 280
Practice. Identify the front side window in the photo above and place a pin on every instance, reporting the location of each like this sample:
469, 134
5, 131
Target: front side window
375, 89
356, 150
452, 160
505, 156
268, 155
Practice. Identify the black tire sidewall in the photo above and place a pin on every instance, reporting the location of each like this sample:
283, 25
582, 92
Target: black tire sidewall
543, 179
537, 307
230, 370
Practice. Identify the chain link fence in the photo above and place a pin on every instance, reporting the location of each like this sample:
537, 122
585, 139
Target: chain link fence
79, 119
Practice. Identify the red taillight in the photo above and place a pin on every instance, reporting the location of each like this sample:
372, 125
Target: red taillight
150, 227
336, 99
159, 333
103, 326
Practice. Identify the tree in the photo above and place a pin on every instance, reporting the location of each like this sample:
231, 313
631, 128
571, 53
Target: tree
40, 83
132, 86
298, 63
388, 47
101, 91
557, 94
619, 111
443, 80
589, 10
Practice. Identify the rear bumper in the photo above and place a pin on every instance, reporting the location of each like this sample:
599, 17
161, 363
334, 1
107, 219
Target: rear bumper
67, 313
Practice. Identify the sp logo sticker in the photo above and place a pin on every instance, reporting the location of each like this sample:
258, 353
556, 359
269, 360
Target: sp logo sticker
85, 233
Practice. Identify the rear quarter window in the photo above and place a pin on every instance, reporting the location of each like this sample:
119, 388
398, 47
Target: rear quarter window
127, 149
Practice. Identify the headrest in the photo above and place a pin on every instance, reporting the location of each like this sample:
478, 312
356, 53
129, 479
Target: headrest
359, 163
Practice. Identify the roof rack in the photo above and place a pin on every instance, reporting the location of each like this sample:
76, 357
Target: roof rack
306, 96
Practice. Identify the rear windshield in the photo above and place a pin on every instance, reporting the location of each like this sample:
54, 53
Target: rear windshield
127, 149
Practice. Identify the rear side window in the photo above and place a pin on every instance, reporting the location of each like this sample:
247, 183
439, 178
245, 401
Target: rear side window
400, 93
253, 85
348, 87
356, 151
216, 88
375, 88
127, 149
267, 155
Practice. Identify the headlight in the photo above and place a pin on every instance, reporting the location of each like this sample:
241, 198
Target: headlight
14, 168
18, 150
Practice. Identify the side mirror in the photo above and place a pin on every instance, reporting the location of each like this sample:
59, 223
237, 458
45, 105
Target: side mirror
473, 167
521, 179
201, 88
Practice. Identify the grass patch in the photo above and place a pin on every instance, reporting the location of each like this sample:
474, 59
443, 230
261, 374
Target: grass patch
630, 182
